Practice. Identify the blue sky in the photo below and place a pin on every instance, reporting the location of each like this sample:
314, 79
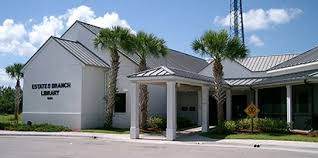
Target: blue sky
272, 26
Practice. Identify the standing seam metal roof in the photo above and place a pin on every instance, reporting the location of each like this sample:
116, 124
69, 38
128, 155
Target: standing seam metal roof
290, 77
81, 52
173, 59
168, 71
263, 63
304, 58
243, 81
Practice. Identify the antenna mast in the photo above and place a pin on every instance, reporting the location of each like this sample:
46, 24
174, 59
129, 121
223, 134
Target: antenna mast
236, 19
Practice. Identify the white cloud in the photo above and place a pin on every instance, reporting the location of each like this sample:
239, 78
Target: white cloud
260, 19
19, 39
12, 39
86, 14
255, 40
50, 26
5, 80
82, 13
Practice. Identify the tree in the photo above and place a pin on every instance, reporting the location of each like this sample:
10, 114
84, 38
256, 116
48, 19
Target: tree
147, 45
15, 72
113, 39
219, 46
7, 100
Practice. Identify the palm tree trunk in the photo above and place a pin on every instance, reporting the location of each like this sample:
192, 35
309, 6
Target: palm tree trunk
143, 97
112, 84
219, 94
17, 101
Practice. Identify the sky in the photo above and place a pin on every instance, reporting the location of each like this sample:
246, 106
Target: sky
271, 26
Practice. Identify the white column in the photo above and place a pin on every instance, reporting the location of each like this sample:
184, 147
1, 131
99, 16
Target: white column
289, 104
171, 111
199, 107
228, 104
205, 108
134, 112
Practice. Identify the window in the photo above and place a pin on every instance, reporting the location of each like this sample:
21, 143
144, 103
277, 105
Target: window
184, 108
120, 102
192, 108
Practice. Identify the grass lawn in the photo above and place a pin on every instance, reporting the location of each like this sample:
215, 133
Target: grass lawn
109, 131
9, 119
262, 136
7, 122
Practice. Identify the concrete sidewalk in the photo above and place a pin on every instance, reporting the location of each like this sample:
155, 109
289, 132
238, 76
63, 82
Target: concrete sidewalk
182, 139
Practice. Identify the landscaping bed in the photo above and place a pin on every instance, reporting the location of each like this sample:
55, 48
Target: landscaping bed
7, 122
263, 129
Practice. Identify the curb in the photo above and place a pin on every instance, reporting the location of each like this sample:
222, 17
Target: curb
310, 147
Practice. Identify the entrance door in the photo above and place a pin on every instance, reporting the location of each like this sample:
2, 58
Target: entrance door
239, 103
213, 120
213, 112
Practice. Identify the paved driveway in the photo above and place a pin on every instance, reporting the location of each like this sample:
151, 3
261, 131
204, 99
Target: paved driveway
49, 147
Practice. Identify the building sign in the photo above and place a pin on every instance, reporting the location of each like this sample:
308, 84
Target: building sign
51, 89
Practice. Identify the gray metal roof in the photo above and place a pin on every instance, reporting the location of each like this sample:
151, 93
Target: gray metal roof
289, 77
168, 71
94, 29
263, 63
304, 58
178, 60
81, 52
173, 59
242, 81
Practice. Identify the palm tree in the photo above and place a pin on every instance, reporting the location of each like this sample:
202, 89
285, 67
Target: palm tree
219, 46
147, 45
14, 71
113, 39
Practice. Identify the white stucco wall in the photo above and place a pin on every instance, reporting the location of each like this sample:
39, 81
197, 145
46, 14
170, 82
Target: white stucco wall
79, 33
188, 99
93, 106
157, 100
53, 64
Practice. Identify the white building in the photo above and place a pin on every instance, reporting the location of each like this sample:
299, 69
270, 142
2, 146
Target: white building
64, 83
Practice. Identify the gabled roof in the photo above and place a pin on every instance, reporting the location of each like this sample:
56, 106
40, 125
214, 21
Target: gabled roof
173, 59
304, 58
290, 77
263, 63
178, 60
242, 81
168, 71
81, 52
78, 50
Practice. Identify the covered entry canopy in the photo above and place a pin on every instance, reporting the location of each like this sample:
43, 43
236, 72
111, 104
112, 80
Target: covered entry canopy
169, 77
167, 73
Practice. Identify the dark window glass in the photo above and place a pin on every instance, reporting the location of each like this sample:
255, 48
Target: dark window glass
120, 102
272, 102
184, 108
192, 108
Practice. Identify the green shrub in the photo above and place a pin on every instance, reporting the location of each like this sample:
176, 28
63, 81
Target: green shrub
227, 127
230, 126
263, 124
183, 122
244, 123
272, 125
36, 127
156, 122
